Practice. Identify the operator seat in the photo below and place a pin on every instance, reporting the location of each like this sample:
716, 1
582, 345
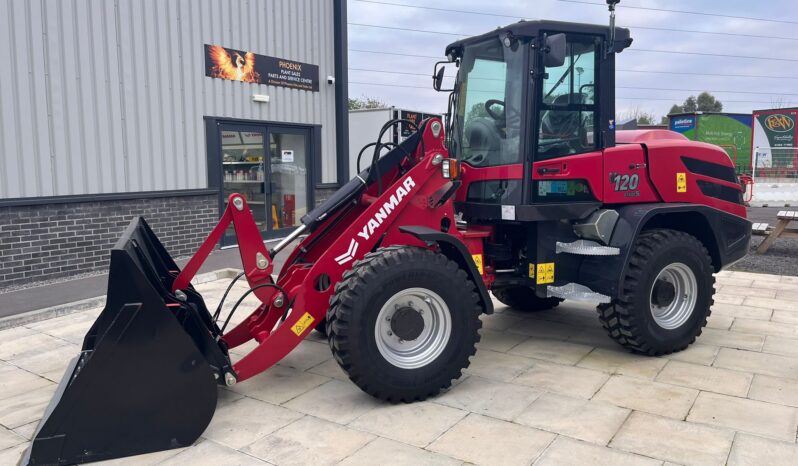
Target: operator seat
483, 140
562, 124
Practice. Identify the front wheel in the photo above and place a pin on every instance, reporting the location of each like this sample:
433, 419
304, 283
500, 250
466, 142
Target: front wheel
666, 294
403, 323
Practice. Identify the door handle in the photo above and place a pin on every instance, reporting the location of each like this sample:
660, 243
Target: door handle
548, 170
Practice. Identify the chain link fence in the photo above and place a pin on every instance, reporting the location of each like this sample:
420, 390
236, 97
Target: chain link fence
774, 176
776, 163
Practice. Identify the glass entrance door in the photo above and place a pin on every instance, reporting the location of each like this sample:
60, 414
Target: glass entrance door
244, 171
269, 166
288, 189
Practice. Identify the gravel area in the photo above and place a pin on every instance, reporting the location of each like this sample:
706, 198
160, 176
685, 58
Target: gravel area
781, 258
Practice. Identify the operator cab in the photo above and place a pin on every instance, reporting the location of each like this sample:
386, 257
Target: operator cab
529, 92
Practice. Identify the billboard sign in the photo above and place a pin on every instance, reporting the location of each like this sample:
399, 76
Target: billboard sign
684, 124
238, 65
775, 138
413, 117
731, 132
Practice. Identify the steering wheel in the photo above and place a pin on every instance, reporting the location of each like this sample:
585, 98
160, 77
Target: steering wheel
476, 160
490, 103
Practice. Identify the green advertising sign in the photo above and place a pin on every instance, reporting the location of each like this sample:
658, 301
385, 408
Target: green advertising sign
731, 132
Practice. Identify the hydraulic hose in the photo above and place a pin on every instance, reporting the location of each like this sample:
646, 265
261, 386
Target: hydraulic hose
243, 296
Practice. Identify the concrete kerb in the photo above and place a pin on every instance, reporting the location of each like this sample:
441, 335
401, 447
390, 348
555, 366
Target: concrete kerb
91, 303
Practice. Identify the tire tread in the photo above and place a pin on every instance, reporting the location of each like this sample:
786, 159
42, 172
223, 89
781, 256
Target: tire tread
618, 317
352, 287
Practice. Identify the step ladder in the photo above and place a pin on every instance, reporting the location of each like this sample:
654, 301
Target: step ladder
584, 247
576, 292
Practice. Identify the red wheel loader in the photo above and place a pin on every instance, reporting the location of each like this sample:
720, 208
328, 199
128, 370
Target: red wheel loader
526, 192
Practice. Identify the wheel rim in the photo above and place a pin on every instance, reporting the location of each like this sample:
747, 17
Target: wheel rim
416, 313
673, 296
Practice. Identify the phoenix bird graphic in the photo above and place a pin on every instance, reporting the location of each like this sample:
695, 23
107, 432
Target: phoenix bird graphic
233, 67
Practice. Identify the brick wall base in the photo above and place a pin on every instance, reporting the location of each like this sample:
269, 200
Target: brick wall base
57, 240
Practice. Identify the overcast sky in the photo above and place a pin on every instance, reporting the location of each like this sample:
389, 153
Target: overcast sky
751, 93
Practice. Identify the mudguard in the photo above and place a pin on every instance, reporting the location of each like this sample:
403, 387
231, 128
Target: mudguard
726, 237
455, 250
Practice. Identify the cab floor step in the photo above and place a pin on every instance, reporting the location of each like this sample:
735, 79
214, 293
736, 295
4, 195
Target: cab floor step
584, 247
576, 292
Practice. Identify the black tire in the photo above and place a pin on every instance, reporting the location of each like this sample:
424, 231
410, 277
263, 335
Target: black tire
321, 327
523, 299
357, 301
629, 319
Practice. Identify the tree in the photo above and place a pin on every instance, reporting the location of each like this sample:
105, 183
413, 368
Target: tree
705, 102
477, 111
675, 109
641, 116
645, 119
778, 102
690, 105
366, 102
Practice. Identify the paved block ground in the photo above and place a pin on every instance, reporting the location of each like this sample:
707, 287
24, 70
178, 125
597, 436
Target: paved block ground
546, 389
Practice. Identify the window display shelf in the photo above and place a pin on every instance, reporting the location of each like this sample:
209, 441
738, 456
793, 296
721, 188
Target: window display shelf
242, 163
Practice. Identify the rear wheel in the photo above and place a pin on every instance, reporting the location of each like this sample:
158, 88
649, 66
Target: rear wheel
403, 323
524, 299
666, 294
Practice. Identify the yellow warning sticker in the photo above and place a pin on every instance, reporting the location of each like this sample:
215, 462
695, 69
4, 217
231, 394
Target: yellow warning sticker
302, 324
545, 273
531, 270
681, 182
478, 262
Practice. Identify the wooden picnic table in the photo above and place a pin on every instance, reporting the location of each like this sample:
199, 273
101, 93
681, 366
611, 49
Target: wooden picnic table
779, 231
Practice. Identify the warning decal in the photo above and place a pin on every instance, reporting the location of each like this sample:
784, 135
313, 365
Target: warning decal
302, 324
681, 182
545, 273
478, 262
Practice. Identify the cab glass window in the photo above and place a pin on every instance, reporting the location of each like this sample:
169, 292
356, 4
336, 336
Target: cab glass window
568, 110
487, 125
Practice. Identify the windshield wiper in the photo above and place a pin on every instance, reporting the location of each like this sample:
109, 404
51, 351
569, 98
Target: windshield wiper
562, 78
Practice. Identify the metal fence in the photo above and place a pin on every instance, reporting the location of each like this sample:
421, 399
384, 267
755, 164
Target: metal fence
777, 163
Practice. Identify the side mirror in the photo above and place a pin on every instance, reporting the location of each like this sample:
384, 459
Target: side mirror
437, 80
554, 51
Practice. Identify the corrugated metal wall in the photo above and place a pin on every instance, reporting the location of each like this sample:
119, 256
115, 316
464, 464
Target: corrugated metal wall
104, 96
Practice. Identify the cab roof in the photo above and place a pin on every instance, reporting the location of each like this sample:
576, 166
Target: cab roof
532, 28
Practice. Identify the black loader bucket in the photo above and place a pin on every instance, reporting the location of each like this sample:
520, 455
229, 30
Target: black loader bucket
146, 377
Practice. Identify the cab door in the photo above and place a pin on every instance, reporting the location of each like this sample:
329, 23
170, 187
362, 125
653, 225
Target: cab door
567, 156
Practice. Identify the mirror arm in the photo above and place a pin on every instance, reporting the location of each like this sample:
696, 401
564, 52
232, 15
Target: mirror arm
611, 42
